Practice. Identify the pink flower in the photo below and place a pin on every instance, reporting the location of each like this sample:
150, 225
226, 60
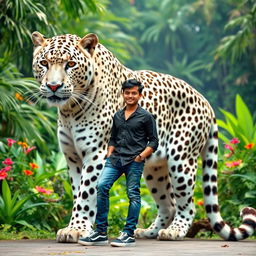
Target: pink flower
3, 175
6, 169
8, 161
44, 190
234, 141
237, 162
227, 146
231, 164
10, 142
29, 149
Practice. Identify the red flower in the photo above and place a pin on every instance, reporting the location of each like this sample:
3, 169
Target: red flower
235, 141
249, 146
200, 203
3, 175
10, 142
8, 161
6, 168
28, 172
44, 190
33, 165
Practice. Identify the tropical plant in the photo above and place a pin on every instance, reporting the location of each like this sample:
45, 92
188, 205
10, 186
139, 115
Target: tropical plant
13, 208
19, 116
33, 182
240, 126
237, 179
243, 41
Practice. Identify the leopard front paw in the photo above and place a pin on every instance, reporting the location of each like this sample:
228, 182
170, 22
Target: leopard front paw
70, 235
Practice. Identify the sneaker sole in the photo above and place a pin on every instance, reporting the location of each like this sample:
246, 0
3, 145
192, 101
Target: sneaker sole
122, 244
93, 243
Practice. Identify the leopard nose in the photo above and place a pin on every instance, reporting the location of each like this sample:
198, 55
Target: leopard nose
54, 86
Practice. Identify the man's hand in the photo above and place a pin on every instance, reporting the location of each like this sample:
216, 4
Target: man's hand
110, 151
138, 159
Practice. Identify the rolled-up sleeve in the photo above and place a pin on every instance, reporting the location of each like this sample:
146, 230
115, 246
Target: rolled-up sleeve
151, 132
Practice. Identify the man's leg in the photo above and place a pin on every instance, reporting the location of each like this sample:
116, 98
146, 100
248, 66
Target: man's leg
109, 175
133, 176
99, 237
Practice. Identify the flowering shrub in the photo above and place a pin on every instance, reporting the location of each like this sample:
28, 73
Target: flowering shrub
236, 178
29, 184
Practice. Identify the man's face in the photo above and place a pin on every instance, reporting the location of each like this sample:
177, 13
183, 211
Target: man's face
131, 95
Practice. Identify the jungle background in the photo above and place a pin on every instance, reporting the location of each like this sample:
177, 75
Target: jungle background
208, 43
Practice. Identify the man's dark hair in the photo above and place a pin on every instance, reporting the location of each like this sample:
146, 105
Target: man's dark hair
131, 83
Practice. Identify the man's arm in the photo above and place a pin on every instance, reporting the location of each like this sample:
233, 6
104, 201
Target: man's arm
151, 131
144, 154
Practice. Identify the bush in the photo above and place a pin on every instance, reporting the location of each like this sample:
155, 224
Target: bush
32, 189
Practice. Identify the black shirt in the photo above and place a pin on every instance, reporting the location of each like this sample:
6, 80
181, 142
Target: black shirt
130, 137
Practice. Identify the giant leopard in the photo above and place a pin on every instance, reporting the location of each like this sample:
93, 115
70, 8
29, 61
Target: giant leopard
83, 80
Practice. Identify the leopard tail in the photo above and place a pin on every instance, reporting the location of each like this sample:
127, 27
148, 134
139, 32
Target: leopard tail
248, 214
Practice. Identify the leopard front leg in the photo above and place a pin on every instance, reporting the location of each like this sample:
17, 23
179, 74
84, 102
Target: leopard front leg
77, 225
84, 207
83, 171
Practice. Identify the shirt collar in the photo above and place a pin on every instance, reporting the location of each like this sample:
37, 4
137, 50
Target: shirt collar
137, 109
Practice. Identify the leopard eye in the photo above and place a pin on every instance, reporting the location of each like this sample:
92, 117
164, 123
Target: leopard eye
70, 64
44, 63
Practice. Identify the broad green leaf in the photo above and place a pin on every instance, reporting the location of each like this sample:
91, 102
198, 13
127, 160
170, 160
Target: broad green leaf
229, 117
60, 162
24, 223
244, 117
247, 177
250, 194
6, 194
31, 206
223, 137
18, 205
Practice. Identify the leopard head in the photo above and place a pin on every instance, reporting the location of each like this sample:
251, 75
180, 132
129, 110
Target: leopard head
63, 66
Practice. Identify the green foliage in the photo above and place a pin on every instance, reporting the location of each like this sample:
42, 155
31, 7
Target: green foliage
237, 180
20, 118
243, 41
28, 188
13, 207
9, 232
240, 126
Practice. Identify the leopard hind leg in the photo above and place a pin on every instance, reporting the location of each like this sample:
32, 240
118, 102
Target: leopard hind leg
182, 174
158, 182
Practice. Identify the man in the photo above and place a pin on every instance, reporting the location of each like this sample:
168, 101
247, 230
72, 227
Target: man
133, 138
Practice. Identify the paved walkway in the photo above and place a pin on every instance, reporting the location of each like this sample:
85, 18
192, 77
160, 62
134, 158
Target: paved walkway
187, 247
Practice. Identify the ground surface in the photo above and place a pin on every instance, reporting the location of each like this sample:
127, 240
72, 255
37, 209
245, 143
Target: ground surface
143, 248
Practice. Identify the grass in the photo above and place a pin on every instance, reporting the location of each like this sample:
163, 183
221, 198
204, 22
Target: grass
9, 233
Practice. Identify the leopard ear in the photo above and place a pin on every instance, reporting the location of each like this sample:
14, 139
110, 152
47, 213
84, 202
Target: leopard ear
38, 39
89, 42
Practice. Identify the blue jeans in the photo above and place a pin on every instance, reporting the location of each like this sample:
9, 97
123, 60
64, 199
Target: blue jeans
110, 174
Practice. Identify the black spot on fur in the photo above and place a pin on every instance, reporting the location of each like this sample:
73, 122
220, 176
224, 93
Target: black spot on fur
207, 190
149, 177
